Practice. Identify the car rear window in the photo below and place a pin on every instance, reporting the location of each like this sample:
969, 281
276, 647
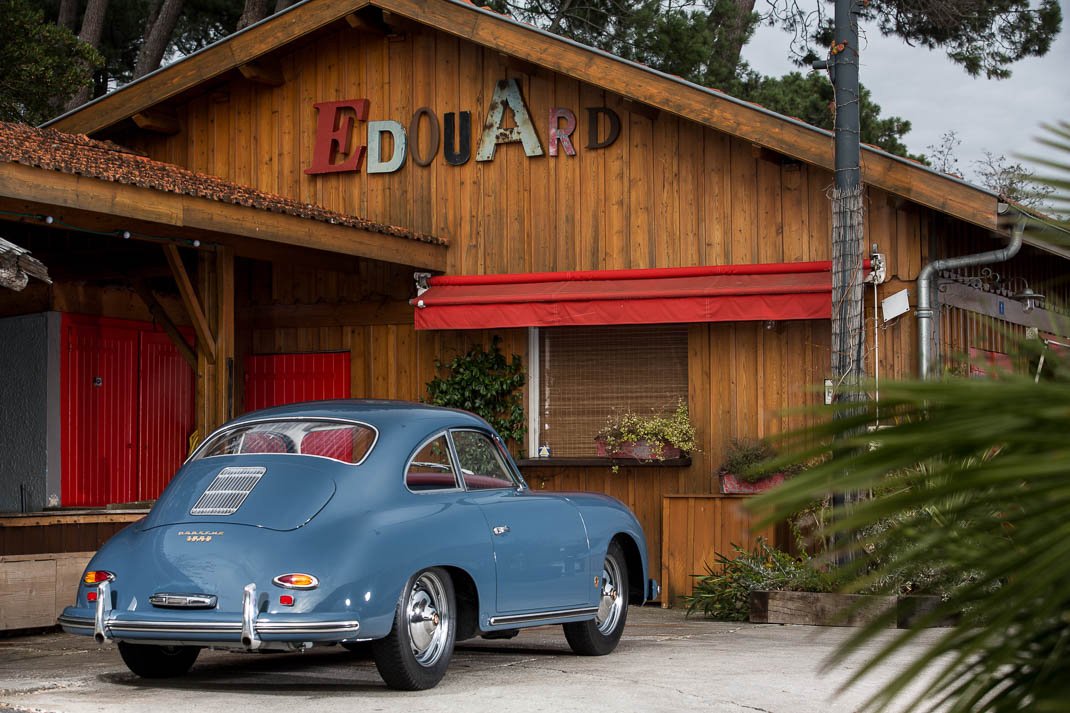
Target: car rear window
342, 441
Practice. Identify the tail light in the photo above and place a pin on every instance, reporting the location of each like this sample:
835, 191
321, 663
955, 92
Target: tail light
97, 576
296, 580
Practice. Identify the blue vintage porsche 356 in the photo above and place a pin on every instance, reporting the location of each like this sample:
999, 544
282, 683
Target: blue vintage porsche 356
340, 522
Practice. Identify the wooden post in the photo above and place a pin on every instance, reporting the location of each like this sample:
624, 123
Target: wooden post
214, 399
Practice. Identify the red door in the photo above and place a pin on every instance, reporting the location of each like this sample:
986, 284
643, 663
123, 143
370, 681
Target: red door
99, 438
277, 379
126, 410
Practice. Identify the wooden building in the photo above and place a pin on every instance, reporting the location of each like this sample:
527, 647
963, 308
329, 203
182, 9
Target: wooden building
243, 227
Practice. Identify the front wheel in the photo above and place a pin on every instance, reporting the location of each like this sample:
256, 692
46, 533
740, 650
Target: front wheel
150, 661
415, 654
599, 636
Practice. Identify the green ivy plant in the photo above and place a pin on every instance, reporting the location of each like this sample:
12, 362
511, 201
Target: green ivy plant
484, 383
672, 429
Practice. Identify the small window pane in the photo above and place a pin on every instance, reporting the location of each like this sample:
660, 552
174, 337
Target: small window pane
431, 468
481, 461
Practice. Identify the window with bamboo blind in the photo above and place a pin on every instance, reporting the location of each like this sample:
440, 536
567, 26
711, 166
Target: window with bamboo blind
588, 373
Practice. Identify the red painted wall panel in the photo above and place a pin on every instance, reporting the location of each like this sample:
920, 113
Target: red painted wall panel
122, 410
166, 413
277, 379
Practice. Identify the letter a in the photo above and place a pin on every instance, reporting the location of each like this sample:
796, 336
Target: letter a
506, 92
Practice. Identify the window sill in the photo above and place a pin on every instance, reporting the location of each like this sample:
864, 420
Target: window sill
596, 462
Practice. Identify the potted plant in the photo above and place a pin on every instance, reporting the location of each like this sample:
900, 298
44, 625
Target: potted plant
746, 467
657, 436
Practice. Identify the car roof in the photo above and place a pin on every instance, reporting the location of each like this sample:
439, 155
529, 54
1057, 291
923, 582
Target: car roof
380, 413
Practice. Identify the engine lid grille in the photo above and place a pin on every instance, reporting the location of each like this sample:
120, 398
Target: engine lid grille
228, 491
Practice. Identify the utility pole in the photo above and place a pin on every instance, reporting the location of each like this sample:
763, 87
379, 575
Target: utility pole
847, 219
847, 364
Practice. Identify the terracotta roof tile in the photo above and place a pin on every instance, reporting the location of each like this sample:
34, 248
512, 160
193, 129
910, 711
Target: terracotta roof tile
78, 154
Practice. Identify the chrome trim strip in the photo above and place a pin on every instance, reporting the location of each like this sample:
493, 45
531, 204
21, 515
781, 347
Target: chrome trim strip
539, 616
249, 609
229, 627
176, 627
183, 601
313, 627
75, 622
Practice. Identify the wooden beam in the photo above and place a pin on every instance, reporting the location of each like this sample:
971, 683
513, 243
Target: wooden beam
265, 71
205, 340
345, 314
224, 331
157, 121
209, 218
141, 287
642, 109
361, 23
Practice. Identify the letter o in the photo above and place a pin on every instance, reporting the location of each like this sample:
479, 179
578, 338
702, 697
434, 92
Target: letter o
414, 136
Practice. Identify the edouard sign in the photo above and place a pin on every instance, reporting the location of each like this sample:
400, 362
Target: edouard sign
335, 124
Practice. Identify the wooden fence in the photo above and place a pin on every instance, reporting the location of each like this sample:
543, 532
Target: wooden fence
694, 528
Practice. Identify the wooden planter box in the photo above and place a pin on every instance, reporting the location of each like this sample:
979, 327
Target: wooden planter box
830, 609
733, 485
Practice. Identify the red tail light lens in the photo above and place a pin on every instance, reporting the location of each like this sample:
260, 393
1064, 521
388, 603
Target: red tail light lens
91, 595
296, 580
287, 600
98, 576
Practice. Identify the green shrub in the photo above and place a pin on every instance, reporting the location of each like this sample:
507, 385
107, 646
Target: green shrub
674, 429
751, 460
725, 594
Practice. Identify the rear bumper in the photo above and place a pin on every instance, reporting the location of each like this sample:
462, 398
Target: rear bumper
249, 629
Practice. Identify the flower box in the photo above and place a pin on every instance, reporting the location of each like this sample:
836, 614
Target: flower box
732, 484
638, 450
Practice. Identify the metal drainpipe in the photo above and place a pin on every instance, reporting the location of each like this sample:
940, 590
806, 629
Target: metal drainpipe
925, 278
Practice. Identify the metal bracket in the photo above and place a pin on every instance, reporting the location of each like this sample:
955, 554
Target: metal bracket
421, 279
878, 268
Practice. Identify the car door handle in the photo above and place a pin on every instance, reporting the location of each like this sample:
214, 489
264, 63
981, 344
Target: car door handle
500, 529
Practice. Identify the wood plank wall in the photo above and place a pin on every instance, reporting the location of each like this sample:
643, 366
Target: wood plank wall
697, 528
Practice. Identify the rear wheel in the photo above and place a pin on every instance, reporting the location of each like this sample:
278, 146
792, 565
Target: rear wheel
151, 661
599, 636
416, 653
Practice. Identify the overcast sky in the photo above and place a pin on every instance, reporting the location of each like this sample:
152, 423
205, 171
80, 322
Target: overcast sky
935, 95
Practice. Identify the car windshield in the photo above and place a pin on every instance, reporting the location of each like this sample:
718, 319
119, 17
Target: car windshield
342, 441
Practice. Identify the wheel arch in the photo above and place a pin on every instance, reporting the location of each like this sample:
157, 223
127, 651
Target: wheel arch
633, 559
466, 596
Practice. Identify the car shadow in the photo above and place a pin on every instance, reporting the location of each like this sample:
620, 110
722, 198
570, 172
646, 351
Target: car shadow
328, 670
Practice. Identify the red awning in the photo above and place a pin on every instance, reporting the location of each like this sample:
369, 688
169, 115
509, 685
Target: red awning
723, 293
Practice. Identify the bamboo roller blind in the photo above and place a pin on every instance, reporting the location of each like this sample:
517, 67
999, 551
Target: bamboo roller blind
586, 374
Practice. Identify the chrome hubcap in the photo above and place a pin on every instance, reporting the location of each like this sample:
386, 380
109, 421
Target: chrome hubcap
612, 602
428, 616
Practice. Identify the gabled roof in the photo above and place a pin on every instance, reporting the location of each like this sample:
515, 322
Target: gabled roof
708, 107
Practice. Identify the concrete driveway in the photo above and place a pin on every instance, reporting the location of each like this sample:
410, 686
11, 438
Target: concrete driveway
665, 662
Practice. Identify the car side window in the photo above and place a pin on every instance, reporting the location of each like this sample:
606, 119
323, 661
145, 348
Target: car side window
481, 462
432, 467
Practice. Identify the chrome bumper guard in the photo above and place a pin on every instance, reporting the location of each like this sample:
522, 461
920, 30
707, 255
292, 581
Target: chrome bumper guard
250, 631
